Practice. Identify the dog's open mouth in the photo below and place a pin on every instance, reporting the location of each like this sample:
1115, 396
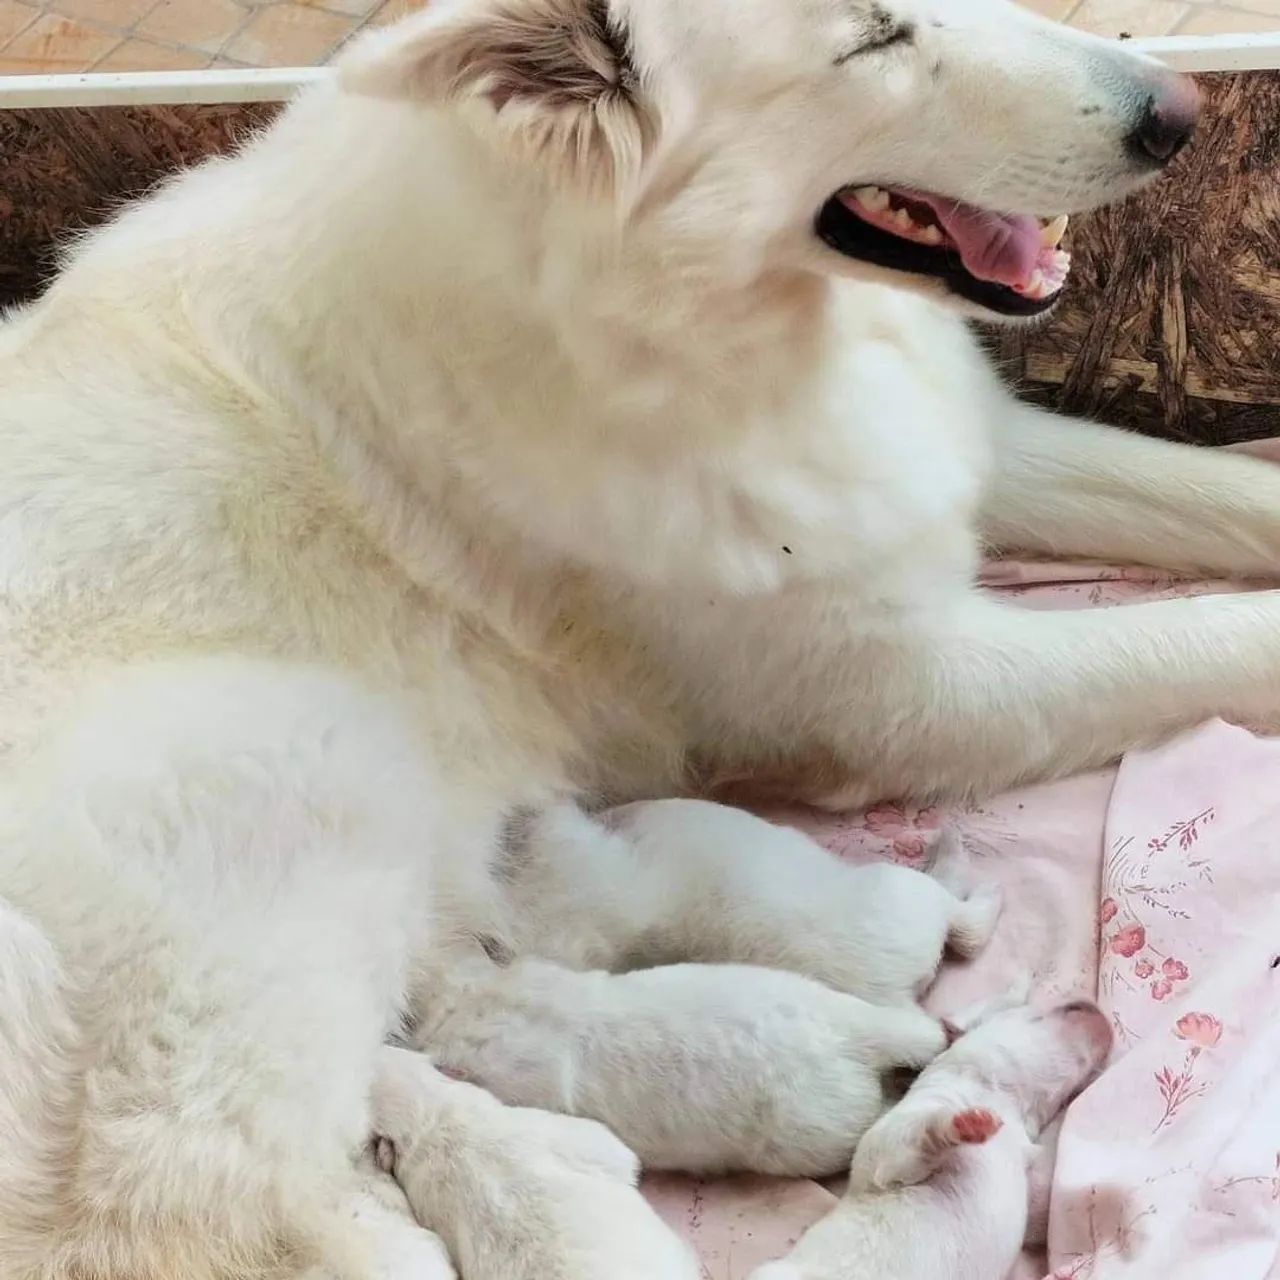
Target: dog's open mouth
1009, 264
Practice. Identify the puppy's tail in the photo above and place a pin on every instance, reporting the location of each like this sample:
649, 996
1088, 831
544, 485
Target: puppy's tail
949, 862
973, 919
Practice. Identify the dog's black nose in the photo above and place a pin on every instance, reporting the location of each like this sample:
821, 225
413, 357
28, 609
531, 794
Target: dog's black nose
1167, 121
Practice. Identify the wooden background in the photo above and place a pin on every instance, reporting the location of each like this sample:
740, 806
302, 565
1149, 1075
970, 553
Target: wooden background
1171, 323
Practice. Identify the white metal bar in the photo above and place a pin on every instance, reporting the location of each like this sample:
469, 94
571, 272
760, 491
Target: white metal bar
1259, 52
131, 88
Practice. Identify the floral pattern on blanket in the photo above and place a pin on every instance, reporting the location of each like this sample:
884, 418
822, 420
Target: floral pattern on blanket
1157, 887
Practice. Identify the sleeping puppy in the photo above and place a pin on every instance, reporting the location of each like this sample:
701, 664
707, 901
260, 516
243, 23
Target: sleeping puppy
939, 1187
554, 1198
668, 881
703, 1068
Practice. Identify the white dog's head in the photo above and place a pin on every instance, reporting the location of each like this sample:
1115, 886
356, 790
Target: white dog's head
922, 142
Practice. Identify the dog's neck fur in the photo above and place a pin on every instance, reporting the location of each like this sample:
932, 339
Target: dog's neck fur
539, 383
683, 315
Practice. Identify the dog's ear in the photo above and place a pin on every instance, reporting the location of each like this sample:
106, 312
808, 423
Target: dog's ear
555, 75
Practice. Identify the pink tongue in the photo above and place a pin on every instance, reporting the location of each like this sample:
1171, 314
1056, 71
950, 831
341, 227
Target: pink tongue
995, 247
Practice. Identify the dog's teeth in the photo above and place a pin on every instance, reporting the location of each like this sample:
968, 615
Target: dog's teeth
1051, 234
902, 219
930, 235
874, 198
1035, 287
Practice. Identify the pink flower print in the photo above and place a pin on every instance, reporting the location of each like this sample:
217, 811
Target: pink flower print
1202, 1030
885, 820
1162, 989
1144, 969
1109, 909
1174, 970
1176, 1090
1186, 832
1129, 941
910, 846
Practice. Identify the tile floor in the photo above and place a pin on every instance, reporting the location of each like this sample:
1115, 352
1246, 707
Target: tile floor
174, 35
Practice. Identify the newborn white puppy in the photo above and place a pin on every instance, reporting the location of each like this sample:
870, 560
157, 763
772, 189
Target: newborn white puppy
939, 1186
703, 1068
563, 1189
668, 881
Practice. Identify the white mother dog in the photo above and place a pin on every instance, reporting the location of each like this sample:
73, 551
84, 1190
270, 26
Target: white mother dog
585, 378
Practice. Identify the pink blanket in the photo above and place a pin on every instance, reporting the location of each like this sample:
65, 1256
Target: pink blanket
1155, 886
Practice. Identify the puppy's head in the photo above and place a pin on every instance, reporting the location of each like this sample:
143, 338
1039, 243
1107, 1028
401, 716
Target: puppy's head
933, 144
1037, 1059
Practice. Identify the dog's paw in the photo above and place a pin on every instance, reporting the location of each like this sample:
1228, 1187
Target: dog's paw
905, 1147
972, 1127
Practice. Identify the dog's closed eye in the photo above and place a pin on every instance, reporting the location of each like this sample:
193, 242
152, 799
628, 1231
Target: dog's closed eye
880, 31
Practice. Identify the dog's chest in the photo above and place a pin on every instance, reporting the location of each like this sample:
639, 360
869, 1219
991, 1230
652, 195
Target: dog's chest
876, 472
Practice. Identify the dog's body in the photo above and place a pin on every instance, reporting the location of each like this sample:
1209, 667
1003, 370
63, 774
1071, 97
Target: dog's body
507, 375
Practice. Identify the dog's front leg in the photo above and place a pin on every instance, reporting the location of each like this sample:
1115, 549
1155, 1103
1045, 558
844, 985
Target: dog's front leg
517, 1194
974, 696
1068, 487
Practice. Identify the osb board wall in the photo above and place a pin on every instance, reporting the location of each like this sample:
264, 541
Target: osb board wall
65, 169
1171, 323
1172, 320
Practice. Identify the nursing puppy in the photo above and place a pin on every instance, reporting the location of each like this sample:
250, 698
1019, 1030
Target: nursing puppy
554, 1199
940, 1186
701, 1068
675, 880
580, 381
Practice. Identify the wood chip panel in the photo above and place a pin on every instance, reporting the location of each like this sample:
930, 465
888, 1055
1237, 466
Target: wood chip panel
1172, 320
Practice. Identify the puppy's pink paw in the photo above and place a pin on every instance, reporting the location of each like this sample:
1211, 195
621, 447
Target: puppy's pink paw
976, 1125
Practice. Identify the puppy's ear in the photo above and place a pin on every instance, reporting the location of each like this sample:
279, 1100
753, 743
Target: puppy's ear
556, 77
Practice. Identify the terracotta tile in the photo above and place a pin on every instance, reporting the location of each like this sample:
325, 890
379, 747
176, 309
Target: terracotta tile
289, 35
1259, 10
1212, 21
106, 13
54, 44
394, 10
1131, 17
1058, 10
14, 17
356, 8
197, 24
143, 55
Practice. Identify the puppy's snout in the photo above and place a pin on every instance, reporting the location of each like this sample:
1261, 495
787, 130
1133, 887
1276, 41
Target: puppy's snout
1166, 121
